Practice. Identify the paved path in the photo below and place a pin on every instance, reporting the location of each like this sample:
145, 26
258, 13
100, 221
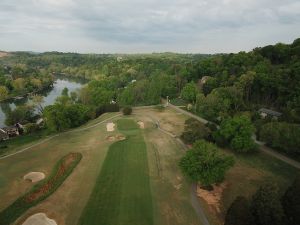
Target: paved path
262, 147
277, 155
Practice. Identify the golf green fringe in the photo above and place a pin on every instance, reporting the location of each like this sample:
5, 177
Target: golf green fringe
42, 190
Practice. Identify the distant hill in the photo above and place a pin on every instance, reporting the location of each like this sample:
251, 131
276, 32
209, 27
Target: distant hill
4, 54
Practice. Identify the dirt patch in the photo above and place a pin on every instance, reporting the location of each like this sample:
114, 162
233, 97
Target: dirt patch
39, 219
34, 176
115, 138
110, 127
141, 124
213, 198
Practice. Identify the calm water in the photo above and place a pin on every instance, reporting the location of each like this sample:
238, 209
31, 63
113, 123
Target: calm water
49, 96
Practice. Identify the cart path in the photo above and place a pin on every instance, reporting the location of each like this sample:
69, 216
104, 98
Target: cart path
262, 147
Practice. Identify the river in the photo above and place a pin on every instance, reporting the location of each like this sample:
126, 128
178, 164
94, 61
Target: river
49, 96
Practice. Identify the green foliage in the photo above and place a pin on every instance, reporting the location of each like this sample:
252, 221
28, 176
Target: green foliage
236, 132
189, 92
282, 136
3, 92
21, 114
31, 128
239, 213
209, 85
220, 103
194, 130
127, 110
266, 206
53, 182
291, 202
60, 117
127, 97
107, 108
202, 163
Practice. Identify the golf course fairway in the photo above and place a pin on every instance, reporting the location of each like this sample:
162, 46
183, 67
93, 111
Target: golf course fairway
122, 191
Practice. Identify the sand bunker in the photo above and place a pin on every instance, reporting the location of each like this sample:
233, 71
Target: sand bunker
117, 137
39, 219
110, 127
34, 176
141, 124
120, 137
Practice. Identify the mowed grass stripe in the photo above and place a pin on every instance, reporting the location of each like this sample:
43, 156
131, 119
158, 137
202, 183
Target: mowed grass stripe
122, 193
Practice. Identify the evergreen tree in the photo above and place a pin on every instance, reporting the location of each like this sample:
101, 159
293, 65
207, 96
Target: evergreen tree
239, 213
291, 202
266, 206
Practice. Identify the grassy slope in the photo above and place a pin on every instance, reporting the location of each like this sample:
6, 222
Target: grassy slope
122, 193
43, 189
248, 174
65, 205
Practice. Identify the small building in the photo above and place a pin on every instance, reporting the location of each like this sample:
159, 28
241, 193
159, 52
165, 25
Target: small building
204, 79
40, 122
268, 112
3, 135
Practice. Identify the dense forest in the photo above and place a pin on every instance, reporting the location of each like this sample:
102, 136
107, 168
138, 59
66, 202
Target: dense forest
217, 87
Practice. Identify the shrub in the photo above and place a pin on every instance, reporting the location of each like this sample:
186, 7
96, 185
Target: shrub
203, 163
237, 133
194, 130
31, 128
282, 136
127, 110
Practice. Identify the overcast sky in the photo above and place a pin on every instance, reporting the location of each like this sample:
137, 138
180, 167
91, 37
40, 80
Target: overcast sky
136, 26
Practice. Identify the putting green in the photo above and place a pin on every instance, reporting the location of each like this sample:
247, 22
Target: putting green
122, 192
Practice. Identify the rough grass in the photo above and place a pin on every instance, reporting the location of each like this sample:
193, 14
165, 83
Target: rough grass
41, 190
11, 145
122, 192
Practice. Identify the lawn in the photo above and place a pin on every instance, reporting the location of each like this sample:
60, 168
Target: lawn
65, 205
41, 190
122, 192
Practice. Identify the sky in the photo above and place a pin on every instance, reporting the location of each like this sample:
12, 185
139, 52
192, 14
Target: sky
145, 26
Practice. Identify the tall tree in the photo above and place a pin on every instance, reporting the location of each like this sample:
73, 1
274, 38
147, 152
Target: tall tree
291, 202
236, 132
266, 206
203, 163
189, 92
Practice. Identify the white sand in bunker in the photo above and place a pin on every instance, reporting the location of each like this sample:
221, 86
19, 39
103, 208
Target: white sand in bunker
39, 219
141, 124
110, 127
34, 176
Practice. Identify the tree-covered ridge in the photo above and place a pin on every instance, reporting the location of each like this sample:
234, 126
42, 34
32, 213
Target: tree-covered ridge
268, 76
21, 79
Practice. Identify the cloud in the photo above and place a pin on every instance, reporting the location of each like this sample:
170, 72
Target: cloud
144, 26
